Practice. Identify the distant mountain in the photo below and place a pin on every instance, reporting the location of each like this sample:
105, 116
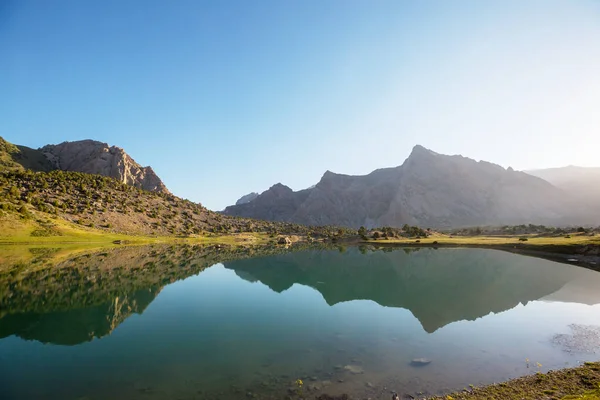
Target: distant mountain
247, 198
87, 156
581, 182
428, 189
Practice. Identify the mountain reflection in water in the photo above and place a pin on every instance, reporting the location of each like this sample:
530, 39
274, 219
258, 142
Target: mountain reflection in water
438, 286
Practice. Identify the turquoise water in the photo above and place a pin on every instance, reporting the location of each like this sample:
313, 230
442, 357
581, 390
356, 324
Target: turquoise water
346, 321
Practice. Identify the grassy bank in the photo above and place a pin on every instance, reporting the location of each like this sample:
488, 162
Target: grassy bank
581, 247
55, 231
574, 383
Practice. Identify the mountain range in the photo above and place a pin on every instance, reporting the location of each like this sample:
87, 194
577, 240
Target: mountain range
429, 189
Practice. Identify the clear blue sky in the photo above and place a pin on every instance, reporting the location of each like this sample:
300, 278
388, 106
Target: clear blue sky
227, 97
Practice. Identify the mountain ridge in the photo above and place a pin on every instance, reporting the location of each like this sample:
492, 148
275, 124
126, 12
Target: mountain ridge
427, 189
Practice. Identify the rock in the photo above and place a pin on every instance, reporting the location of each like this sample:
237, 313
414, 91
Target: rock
284, 240
354, 369
420, 362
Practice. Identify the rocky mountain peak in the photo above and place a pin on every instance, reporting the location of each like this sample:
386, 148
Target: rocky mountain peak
280, 190
420, 151
94, 157
247, 198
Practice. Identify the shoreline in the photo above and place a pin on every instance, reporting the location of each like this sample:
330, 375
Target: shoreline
582, 382
568, 383
583, 253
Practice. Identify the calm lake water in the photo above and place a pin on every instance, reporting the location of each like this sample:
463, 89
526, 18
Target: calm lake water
159, 324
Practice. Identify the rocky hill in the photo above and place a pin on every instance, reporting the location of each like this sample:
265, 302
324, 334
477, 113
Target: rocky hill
38, 194
428, 189
87, 156
102, 203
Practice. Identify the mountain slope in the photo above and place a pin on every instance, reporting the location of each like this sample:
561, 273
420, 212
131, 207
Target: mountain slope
428, 189
581, 182
18, 158
98, 202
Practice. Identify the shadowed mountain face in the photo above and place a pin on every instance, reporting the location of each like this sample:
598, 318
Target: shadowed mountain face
428, 189
438, 286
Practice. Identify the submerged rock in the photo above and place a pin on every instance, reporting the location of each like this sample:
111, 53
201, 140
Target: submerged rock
354, 369
420, 362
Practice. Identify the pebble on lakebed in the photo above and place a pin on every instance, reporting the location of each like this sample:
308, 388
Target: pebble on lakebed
354, 369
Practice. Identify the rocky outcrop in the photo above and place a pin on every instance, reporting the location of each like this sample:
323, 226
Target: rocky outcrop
88, 156
94, 157
428, 189
247, 198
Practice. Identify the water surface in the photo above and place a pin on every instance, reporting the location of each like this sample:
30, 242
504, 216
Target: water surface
162, 323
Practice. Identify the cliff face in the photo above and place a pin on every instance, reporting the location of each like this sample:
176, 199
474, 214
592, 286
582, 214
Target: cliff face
94, 157
428, 189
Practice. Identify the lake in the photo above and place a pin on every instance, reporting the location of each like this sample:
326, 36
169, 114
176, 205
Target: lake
193, 322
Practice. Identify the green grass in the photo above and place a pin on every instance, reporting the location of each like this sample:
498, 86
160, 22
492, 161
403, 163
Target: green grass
568, 384
532, 240
40, 229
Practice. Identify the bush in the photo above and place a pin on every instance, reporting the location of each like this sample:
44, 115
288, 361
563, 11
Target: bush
523, 239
